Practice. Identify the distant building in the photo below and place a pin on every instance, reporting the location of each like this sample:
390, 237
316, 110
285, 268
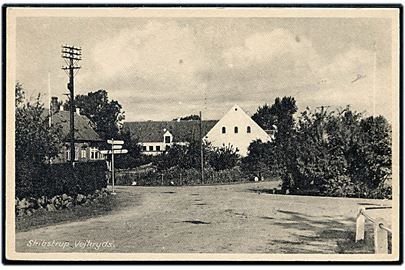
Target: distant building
156, 137
87, 141
235, 129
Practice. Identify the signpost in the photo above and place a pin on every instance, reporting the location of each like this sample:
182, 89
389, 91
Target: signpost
116, 148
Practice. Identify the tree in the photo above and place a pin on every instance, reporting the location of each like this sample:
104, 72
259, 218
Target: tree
35, 142
106, 115
134, 157
279, 114
188, 118
340, 154
223, 158
265, 117
279, 154
258, 160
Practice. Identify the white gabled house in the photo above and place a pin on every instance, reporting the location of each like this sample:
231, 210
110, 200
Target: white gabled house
237, 129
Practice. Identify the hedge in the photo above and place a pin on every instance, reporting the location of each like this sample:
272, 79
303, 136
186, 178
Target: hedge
179, 177
56, 179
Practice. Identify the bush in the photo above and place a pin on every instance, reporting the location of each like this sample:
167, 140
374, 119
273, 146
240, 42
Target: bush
223, 158
56, 179
177, 176
329, 153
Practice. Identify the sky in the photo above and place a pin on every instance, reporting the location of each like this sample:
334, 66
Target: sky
163, 68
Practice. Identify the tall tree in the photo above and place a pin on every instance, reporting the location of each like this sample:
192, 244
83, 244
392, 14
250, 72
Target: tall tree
35, 142
280, 114
106, 115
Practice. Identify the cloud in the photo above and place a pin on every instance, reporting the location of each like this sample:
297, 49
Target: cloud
164, 70
270, 48
158, 51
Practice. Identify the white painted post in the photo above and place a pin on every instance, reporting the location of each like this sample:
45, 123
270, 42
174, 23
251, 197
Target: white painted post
112, 166
380, 238
360, 224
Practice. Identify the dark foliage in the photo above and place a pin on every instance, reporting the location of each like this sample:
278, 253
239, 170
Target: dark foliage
223, 158
105, 114
50, 180
179, 177
189, 117
327, 153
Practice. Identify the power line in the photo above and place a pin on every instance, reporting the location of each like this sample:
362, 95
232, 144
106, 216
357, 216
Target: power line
71, 55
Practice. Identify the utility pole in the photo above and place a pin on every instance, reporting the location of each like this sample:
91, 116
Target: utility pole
71, 55
201, 150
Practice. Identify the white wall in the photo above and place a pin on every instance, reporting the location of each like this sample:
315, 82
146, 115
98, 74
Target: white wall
241, 140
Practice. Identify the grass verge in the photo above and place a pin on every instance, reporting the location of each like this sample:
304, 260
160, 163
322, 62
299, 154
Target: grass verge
366, 246
44, 218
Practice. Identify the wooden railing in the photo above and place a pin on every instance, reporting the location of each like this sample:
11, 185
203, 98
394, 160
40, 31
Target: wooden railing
380, 230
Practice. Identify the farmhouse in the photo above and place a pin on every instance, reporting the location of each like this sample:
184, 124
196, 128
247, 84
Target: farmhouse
155, 137
235, 129
87, 141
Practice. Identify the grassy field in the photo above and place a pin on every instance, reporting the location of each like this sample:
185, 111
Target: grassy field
241, 218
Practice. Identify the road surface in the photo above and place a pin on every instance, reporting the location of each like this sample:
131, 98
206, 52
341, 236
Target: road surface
241, 218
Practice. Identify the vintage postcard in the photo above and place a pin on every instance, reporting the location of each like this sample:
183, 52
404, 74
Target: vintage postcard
202, 134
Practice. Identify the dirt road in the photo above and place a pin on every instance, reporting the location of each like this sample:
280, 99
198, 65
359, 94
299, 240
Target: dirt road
239, 218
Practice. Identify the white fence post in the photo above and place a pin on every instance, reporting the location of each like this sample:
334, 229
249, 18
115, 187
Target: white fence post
360, 224
380, 238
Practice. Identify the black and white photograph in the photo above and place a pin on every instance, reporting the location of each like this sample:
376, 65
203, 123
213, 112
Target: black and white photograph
202, 134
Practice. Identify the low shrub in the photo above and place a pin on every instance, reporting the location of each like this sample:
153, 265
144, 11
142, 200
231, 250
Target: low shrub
177, 176
56, 179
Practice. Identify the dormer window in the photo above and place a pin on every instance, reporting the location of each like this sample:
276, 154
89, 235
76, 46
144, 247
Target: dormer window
248, 129
223, 130
167, 139
235, 129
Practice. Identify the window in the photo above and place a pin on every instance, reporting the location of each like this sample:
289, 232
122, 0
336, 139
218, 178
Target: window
248, 129
223, 130
93, 153
167, 139
235, 129
151, 148
157, 147
144, 148
83, 153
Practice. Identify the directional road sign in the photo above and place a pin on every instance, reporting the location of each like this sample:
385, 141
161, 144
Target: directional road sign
115, 142
116, 151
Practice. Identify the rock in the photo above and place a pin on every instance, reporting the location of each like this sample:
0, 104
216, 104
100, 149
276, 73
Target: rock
22, 204
134, 183
80, 198
50, 208
65, 196
54, 199
69, 205
20, 212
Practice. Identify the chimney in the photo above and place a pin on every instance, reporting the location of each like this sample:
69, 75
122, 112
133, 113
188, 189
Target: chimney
78, 111
54, 105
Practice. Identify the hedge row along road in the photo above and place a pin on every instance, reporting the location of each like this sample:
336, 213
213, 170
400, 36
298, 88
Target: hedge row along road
239, 218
